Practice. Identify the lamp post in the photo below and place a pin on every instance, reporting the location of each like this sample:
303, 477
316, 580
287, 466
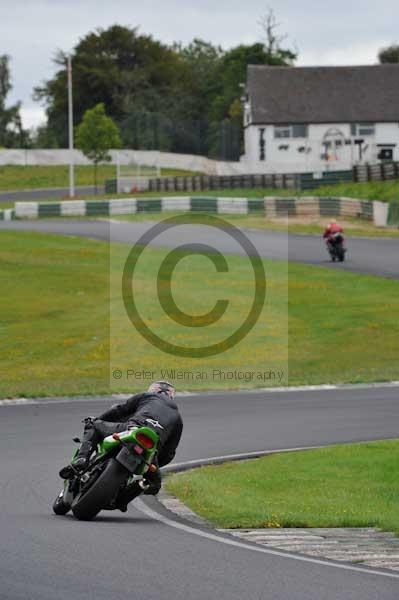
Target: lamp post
70, 130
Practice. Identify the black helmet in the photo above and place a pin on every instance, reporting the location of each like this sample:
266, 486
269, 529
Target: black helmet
165, 387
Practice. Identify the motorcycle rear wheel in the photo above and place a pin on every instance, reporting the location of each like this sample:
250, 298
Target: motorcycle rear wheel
88, 504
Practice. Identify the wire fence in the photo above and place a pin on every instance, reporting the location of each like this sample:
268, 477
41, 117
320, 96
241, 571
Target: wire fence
222, 140
290, 181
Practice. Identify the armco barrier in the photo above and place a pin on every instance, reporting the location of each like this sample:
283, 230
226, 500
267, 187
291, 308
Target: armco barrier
324, 207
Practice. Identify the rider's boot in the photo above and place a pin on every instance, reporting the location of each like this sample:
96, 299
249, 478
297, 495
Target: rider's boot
82, 458
80, 462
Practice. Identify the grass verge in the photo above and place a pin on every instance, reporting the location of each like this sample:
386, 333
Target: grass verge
313, 226
342, 486
386, 191
55, 320
19, 177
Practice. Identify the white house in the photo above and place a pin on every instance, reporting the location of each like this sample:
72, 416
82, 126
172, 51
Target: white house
313, 119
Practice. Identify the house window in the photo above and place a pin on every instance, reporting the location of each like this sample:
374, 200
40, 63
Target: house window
282, 131
300, 131
362, 129
291, 131
262, 143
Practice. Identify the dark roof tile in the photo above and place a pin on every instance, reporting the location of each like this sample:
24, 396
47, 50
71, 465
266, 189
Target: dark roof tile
324, 94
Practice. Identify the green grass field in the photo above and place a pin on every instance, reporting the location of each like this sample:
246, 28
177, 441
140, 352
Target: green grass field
343, 486
19, 177
55, 320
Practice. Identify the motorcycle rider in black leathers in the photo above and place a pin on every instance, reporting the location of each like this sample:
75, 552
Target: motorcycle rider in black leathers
155, 408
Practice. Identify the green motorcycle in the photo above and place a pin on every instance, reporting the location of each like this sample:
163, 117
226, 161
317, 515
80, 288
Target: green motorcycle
117, 468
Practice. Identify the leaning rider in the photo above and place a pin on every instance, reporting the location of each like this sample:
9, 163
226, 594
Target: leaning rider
155, 408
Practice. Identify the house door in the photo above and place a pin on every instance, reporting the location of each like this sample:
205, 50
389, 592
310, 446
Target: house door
333, 144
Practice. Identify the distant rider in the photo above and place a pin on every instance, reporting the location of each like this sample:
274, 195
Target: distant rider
156, 409
331, 230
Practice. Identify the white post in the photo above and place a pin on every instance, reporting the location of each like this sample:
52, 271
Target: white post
380, 213
70, 130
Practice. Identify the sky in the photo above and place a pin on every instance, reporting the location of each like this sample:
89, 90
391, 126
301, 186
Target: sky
338, 32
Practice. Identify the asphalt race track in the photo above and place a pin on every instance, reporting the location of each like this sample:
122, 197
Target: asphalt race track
44, 557
40, 194
372, 255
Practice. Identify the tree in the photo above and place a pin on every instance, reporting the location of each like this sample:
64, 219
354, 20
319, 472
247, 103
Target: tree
12, 133
174, 98
275, 54
120, 68
233, 72
43, 137
204, 62
390, 54
234, 64
232, 75
96, 135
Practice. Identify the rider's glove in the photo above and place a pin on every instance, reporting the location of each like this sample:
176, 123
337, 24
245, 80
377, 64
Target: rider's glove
89, 420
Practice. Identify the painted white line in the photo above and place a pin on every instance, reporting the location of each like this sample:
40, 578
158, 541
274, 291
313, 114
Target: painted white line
66, 400
232, 542
321, 387
298, 388
17, 401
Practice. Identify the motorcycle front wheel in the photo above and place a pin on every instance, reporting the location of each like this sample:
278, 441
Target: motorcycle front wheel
90, 502
59, 506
